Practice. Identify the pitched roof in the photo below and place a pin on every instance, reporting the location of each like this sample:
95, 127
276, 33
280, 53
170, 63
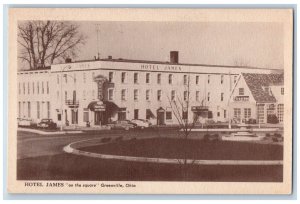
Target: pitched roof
256, 82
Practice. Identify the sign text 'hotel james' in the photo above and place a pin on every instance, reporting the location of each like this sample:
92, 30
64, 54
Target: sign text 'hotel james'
154, 67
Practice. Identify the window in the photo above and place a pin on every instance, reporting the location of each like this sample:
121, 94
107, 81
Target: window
148, 95
38, 109
110, 77
85, 115
110, 94
170, 78
29, 109
135, 94
84, 77
148, 114
208, 79
185, 95
222, 96
57, 79
173, 95
66, 78
123, 77
237, 114
234, 79
48, 109
23, 88
222, 79
158, 78
247, 113
261, 113
159, 95
28, 88
136, 113
123, 94
47, 87
185, 79
218, 114
32, 87
66, 96
93, 75
184, 115
225, 113
280, 112
135, 76
197, 80
168, 115
42, 87
19, 88
208, 96
38, 87
197, 95
147, 78
282, 91
57, 94
241, 91
267, 89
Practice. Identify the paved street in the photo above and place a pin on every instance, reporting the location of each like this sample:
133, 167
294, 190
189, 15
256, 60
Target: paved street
34, 145
41, 157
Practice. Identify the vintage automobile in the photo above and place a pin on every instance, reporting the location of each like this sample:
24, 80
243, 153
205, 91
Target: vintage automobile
122, 124
141, 123
47, 123
24, 122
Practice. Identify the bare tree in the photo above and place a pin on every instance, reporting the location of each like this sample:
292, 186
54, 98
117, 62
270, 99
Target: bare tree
43, 42
180, 106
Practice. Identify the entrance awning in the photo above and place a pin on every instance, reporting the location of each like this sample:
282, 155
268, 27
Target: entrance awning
108, 106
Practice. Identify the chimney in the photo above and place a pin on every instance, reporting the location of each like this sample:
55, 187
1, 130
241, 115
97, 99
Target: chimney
68, 60
174, 57
110, 57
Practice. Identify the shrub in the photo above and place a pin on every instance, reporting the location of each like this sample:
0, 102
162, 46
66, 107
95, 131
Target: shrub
119, 139
272, 119
106, 139
277, 135
206, 137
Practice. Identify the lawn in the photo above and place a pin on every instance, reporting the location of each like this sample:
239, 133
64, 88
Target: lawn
73, 167
194, 149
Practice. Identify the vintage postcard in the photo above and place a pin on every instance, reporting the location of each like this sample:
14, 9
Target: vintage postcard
150, 101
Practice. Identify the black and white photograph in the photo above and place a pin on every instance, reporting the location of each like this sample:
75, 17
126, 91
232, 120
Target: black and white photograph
121, 102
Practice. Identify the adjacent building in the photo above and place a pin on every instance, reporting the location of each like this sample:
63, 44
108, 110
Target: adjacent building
259, 97
103, 90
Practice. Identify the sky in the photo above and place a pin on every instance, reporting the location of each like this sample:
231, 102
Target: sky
222, 43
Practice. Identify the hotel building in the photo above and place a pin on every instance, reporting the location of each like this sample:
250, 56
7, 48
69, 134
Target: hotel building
104, 90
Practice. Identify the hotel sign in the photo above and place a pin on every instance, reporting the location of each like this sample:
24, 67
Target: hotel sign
156, 67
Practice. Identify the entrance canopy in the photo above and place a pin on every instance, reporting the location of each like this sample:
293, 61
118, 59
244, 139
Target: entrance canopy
107, 106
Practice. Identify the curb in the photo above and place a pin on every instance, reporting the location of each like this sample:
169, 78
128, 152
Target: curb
49, 133
69, 149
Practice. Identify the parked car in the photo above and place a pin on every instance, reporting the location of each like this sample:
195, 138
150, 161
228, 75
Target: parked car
47, 123
122, 124
24, 122
141, 123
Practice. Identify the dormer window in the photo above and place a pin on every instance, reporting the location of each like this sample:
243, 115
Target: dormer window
267, 89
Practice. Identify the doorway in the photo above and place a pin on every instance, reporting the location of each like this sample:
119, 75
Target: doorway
99, 118
160, 116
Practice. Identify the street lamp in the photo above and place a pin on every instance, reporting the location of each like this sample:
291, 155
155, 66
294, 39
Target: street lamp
61, 96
